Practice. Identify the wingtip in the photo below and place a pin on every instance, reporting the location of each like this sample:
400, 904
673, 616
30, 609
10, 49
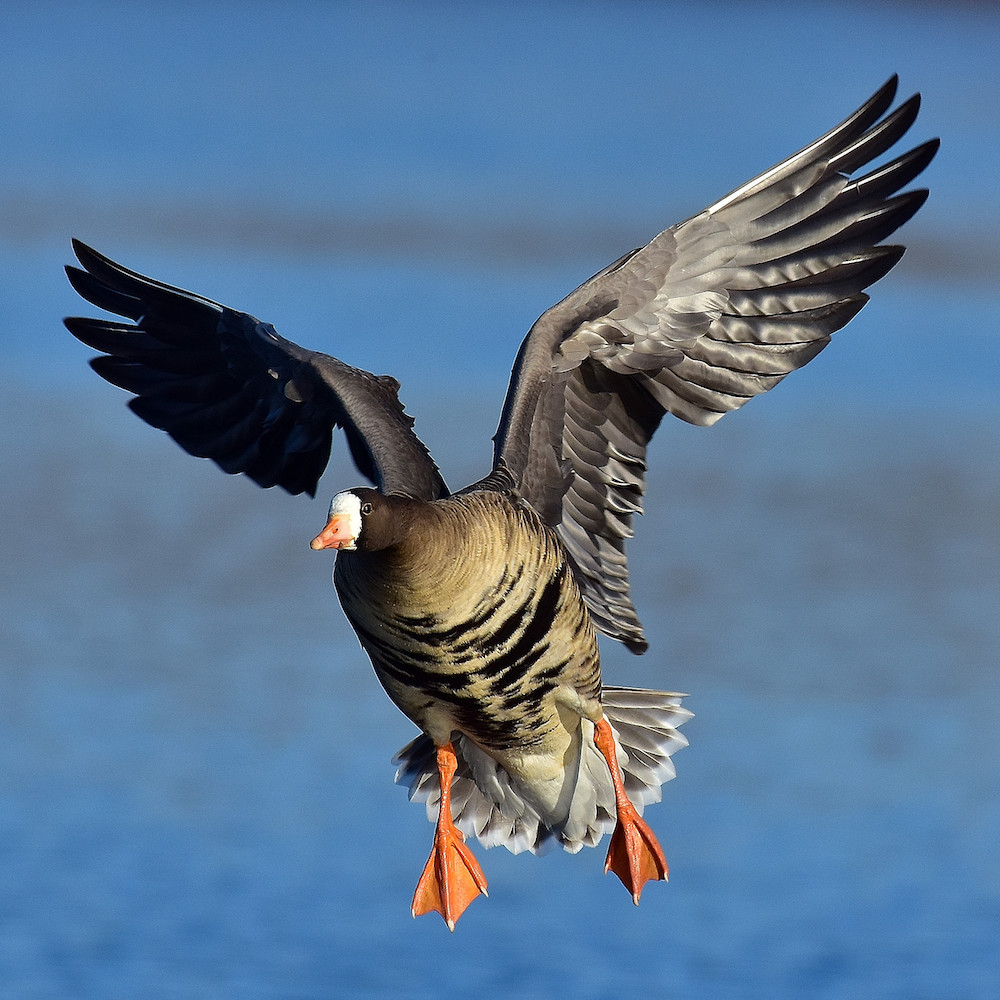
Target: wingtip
884, 96
81, 249
87, 255
78, 278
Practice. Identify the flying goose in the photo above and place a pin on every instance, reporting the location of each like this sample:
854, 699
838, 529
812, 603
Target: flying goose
480, 609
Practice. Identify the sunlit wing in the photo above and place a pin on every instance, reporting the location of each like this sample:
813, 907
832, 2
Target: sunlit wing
709, 314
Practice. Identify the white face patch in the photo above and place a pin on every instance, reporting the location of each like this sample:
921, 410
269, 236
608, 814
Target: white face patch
348, 505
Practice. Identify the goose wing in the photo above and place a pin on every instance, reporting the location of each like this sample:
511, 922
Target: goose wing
712, 312
225, 386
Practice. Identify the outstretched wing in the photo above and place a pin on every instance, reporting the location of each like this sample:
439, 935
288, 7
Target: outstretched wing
225, 386
712, 312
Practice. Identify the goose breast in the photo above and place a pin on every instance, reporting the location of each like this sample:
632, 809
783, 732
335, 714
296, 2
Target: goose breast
474, 623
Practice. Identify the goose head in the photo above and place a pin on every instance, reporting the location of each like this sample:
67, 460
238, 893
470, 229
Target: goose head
362, 518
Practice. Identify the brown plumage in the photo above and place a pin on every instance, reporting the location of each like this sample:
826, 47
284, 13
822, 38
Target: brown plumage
472, 619
479, 610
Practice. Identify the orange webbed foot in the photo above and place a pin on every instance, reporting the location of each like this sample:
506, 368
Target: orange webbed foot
635, 855
452, 877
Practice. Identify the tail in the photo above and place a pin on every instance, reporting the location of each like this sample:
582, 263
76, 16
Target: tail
488, 803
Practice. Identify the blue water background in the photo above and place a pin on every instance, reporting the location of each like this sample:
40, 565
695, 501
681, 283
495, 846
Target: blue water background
195, 787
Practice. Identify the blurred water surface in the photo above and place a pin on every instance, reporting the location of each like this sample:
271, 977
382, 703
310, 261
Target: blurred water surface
195, 756
195, 787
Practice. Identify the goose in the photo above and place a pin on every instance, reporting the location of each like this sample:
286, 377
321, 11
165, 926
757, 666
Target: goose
480, 609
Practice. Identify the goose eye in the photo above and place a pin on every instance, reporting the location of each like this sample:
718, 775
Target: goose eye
366, 508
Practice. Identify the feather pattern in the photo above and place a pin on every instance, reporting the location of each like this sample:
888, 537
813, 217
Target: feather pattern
488, 805
225, 386
712, 312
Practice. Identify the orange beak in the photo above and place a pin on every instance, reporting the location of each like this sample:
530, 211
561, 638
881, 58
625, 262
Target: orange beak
336, 535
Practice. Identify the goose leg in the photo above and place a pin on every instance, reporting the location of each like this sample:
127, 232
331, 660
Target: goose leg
452, 877
635, 855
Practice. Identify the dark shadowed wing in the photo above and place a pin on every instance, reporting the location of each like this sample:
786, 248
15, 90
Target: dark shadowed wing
225, 386
712, 312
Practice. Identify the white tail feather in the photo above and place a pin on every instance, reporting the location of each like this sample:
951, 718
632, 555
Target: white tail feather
488, 804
